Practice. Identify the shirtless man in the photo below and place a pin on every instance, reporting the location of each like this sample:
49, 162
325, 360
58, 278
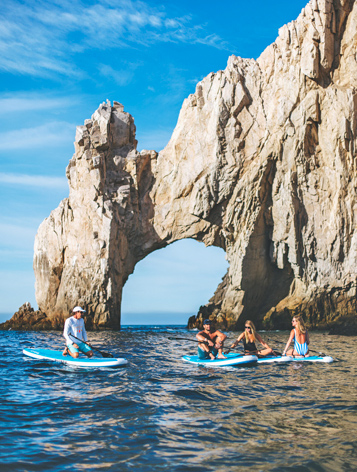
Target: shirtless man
211, 342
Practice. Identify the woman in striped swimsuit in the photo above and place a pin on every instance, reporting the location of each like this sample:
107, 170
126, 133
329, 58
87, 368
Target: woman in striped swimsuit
301, 339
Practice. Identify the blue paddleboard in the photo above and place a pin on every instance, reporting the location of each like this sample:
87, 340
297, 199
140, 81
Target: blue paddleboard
57, 356
232, 360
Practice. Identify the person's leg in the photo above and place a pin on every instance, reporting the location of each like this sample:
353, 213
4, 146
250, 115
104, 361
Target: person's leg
219, 347
85, 349
297, 354
265, 352
202, 353
207, 350
73, 351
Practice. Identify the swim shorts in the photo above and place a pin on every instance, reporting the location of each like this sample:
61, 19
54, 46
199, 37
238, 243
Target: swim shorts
205, 355
81, 347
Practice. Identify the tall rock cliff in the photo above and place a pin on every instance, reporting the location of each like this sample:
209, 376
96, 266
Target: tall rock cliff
262, 163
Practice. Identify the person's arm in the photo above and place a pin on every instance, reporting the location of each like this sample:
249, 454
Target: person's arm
85, 337
307, 338
219, 339
221, 336
67, 331
291, 337
203, 339
240, 337
259, 338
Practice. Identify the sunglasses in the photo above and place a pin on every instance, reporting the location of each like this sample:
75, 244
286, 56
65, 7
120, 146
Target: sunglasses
248, 327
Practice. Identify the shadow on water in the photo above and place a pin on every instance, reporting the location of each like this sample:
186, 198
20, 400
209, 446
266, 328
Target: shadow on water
160, 413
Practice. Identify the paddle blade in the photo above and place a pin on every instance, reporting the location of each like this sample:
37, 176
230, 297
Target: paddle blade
102, 353
106, 354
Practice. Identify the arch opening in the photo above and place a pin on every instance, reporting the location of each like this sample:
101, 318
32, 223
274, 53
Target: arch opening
170, 284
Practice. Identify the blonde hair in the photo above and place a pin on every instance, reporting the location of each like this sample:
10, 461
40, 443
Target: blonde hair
300, 324
251, 325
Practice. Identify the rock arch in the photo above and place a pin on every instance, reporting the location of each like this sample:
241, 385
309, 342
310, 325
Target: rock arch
262, 163
170, 284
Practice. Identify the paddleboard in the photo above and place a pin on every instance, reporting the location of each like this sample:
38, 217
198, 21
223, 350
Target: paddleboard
326, 359
274, 359
284, 359
232, 360
57, 356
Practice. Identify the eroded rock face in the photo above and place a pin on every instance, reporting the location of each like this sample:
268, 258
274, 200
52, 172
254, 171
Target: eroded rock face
262, 163
87, 247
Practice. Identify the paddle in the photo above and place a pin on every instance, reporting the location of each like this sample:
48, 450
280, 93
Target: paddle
187, 339
310, 350
172, 338
104, 354
248, 352
230, 348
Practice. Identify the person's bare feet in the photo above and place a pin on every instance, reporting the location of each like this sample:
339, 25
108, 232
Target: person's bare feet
221, 356
65, 351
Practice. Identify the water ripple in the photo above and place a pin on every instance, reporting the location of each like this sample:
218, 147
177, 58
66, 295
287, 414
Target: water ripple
160, 414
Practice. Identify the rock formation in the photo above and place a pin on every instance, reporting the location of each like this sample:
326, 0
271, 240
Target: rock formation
262, 163
27, 319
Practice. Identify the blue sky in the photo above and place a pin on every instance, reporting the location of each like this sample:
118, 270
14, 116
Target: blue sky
58, 61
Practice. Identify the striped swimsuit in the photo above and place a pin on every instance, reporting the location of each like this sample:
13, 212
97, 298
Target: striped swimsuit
301, 349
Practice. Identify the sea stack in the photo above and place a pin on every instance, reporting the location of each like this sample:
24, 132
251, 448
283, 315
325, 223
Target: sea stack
262, 163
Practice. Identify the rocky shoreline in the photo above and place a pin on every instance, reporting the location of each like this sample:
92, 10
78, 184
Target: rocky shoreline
28, 319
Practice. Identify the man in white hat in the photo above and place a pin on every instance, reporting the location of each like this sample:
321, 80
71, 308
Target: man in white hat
74, 326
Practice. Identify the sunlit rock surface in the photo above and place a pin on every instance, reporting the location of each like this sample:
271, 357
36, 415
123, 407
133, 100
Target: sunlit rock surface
262, 163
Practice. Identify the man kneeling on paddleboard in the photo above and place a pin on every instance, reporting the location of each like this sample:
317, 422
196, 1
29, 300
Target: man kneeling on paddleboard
211, 343
74, 326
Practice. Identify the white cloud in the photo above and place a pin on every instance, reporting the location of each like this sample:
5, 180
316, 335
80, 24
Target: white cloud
41, 38
43, 181
23, 102
49, 134
121, 77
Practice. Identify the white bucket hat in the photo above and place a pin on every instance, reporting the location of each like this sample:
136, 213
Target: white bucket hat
78, 308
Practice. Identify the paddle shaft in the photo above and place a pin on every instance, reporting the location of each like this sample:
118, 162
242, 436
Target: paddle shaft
104, 354
248, 352
187, 339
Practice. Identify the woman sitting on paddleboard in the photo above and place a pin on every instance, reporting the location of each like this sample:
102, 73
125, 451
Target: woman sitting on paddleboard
249, 338
301, 339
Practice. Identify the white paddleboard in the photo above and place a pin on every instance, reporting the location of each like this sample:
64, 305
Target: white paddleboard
57, 356
274, 359
326, 359
283, 359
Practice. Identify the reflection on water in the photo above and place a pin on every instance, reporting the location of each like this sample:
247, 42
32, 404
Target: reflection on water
160, 413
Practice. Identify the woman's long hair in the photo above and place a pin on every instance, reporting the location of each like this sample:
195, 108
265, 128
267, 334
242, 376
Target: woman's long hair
300, 324
251, 324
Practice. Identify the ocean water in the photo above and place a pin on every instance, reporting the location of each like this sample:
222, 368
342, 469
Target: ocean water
161, 414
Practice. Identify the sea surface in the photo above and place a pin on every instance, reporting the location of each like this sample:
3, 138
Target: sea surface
161, 414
